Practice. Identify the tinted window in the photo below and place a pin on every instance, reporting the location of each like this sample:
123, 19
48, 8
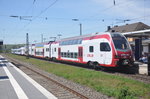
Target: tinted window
47, 49
62, 54
91, 49
55, 49
104, 47
71, 55
120, 42
71, 42
75, 55
65, 54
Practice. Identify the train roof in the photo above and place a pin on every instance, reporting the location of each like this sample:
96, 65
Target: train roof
83, 36
42, 43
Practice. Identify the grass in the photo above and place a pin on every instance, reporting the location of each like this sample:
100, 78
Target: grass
111, 85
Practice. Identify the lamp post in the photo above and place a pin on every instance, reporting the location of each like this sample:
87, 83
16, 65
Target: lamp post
53, 38
79, 24
59, 35
42, 38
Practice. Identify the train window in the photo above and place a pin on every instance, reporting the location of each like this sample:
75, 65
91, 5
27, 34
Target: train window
47, 49
55, 49
104, 47
68, 42
71, 55
120, 42
65, 54
61, 54
75, 41
71, 42
68, 54
91, 49
79, 41
75, 55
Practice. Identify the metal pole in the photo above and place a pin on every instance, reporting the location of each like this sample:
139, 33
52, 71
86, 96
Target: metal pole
42, 38
80, 29
148, 65
27, 45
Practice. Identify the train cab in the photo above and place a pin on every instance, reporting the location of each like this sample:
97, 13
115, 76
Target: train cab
123, 50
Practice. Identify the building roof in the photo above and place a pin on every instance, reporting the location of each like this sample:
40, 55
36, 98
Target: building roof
130, 27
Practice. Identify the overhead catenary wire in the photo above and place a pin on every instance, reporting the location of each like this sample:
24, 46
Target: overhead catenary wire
38, 16
108, 8
53, 3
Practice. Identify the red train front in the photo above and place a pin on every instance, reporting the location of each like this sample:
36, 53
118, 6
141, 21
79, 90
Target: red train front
123, 52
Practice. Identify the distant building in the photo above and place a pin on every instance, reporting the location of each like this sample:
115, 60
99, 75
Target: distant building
135, 31
130, 27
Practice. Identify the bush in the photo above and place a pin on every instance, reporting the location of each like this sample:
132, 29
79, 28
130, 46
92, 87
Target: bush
124, 93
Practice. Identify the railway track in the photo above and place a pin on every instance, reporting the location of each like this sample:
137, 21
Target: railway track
61, 90
71, 93
135, 76
57, 88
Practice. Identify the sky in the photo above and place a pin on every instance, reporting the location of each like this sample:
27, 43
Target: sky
53, 17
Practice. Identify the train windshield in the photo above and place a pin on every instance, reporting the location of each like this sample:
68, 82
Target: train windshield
120, 42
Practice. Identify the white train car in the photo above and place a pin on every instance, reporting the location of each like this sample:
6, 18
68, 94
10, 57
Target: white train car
30, 49
47, 49
98, 49
19, 51
54, 50
22, 50
39, 50
16, 51
42, 50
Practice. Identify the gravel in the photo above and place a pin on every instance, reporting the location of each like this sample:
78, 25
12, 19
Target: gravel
86, 91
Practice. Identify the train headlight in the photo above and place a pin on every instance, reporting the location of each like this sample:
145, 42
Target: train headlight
116, 56
125, 62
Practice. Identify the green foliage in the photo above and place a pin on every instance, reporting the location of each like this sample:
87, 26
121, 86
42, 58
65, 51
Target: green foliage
126, 93
7, 47
111, 85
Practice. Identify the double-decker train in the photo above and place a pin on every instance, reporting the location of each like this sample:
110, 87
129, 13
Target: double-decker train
98, 49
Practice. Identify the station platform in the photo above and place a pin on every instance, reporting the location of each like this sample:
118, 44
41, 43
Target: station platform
143, 68
15, 84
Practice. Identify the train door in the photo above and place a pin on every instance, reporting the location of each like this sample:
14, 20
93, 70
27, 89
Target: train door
43, 52
50, 50
59, 53
105, 53
54, 51
80, 54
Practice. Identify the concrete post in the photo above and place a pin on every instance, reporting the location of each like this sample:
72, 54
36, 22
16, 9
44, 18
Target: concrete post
138, 48
148, 65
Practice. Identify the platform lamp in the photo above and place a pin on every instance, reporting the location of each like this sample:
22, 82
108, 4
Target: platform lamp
79, 24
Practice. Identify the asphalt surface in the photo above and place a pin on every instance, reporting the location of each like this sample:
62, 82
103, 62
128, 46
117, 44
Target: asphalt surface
14, 84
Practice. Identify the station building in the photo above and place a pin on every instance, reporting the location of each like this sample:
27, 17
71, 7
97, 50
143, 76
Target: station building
138, 35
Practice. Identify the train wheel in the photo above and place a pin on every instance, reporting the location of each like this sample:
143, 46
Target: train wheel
95, 65
53, 59
90, 64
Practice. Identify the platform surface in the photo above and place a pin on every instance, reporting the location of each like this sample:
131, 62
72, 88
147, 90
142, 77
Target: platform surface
15, 84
